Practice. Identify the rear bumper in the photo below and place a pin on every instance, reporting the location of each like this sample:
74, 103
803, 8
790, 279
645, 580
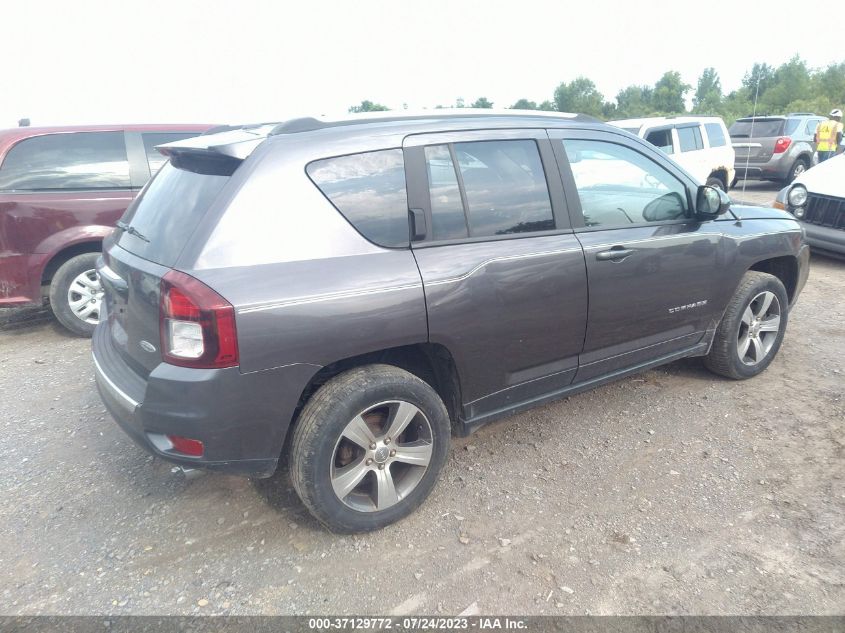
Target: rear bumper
242, 419
825, 239
771, 170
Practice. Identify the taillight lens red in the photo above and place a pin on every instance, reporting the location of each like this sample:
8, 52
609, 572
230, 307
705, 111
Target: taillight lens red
186, 445
197, 325
782, 144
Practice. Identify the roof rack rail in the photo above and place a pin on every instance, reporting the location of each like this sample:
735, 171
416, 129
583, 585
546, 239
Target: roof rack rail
802, 114
310, 124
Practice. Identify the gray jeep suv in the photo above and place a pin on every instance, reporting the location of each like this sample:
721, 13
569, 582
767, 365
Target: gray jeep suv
350, 293
774, 147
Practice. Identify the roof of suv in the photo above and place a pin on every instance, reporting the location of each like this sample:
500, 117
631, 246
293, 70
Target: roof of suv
664, 120
239, 142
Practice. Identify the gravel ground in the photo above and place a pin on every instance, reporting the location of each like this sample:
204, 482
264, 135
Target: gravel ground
669, 492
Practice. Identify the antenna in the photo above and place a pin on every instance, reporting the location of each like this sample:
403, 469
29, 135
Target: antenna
751, 135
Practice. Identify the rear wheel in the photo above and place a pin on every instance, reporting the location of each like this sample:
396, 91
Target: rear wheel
752, 329
76, 294
368, 448
798, 167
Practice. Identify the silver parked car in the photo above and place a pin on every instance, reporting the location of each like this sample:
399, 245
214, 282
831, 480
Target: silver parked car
351, 292
776, 148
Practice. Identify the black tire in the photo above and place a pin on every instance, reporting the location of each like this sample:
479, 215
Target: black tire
798, 167
715, 181
59, 287
317, 437
724, 356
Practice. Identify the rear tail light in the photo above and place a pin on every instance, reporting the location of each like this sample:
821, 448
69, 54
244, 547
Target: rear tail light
186, 445
197, 325
782, 144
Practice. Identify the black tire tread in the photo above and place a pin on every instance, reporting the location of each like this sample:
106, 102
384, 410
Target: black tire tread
719, 359
307, 432
58, 293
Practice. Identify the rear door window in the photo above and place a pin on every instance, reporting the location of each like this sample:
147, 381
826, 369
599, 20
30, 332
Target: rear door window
661, 139
154, 158
689, 138
715, 135
487, 188
77, 161
369, 191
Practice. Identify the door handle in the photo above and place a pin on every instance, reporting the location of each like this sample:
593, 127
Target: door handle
615, 254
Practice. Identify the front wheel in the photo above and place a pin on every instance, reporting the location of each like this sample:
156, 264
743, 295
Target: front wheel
76, 294
368, 448
752, 329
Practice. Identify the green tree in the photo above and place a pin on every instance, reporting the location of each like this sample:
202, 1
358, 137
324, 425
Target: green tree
368, 106
761, 76
482, 102
634, 101
708, 93
547, 106
524, 104
579, 96
669, 93
830, 83
791, 82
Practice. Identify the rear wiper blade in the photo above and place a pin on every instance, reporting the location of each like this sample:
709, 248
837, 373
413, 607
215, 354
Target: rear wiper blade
131, 230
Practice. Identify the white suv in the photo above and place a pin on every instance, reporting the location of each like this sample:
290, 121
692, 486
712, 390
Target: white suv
699, 144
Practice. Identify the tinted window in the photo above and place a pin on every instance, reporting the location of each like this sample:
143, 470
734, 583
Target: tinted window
791, 126
662, 139
715, 134
79, 160
154, 158
168, 211
448, 220
758, 128
812, 124
505, 187
689, 139
369, 190
618, 186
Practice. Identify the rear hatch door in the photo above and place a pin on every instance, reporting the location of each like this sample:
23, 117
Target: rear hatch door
754, 139
149, 240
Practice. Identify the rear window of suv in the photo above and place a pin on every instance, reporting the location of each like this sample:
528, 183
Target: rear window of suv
369, 191
166, 213
78, 161
757, 128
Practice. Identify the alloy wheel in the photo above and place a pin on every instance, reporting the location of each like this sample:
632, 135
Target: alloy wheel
381, 456
759, 328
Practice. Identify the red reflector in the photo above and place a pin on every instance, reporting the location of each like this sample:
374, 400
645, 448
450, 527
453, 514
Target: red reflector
186, 446
782, 144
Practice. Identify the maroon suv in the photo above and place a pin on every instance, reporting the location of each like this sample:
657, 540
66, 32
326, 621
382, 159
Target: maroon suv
62, 189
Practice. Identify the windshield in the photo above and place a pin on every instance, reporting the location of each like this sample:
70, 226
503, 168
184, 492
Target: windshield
164, 216
757, 128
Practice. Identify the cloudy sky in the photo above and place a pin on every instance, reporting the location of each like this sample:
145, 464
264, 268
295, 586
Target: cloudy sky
79, 61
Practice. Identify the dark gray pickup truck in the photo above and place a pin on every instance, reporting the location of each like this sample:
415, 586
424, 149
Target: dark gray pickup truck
351, 293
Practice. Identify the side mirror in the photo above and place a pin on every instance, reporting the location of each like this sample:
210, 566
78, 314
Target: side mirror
711, 202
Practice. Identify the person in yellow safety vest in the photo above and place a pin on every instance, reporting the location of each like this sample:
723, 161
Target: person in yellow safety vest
829, 135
